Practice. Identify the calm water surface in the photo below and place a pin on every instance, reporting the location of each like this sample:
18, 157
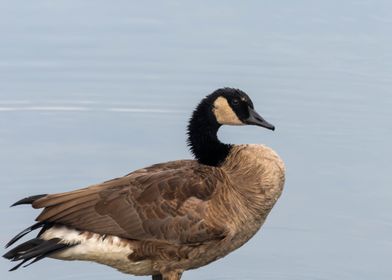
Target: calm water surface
90, 90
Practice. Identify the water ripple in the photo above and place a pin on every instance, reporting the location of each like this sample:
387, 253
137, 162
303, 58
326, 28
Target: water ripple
20, 106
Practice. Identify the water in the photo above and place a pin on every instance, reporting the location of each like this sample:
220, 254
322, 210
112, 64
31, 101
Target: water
92, 90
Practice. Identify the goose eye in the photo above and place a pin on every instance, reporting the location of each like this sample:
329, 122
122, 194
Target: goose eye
235, 101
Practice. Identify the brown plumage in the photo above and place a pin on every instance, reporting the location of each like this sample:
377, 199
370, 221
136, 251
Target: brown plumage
169, 217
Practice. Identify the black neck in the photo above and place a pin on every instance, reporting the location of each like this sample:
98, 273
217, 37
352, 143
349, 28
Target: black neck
202, 137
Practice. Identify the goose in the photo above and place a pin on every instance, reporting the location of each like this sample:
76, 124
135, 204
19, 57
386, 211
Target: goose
169, 217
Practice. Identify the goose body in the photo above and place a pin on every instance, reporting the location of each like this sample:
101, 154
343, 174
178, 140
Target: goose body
169, 217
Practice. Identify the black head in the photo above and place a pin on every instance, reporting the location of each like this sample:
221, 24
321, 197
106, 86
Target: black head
223, 106
234, 107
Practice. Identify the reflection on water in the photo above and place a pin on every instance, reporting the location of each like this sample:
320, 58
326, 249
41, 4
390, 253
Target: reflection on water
91, 91
69, 107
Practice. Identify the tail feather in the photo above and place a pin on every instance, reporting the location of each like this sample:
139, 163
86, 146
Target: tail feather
23, 233
18, 265
47, 246
35, 250
28, 200
22, 247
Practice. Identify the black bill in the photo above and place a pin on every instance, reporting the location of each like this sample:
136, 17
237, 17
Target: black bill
255, 119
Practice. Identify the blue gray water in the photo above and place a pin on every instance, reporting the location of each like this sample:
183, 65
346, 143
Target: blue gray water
91, 90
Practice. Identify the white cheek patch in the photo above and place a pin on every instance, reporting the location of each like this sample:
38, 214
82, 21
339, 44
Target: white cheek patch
224, 114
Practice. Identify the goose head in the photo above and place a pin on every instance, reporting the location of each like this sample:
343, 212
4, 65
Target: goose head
234, 107
225, 106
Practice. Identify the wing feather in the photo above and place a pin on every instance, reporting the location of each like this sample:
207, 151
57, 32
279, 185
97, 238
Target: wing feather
54, 212
162, 203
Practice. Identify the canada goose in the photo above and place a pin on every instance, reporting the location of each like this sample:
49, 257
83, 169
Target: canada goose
169, 217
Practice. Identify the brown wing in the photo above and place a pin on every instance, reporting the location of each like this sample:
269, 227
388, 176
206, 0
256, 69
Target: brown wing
164, 202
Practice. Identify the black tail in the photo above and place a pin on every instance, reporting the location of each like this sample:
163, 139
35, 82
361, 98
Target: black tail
23, 233
28, 200
35, 250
